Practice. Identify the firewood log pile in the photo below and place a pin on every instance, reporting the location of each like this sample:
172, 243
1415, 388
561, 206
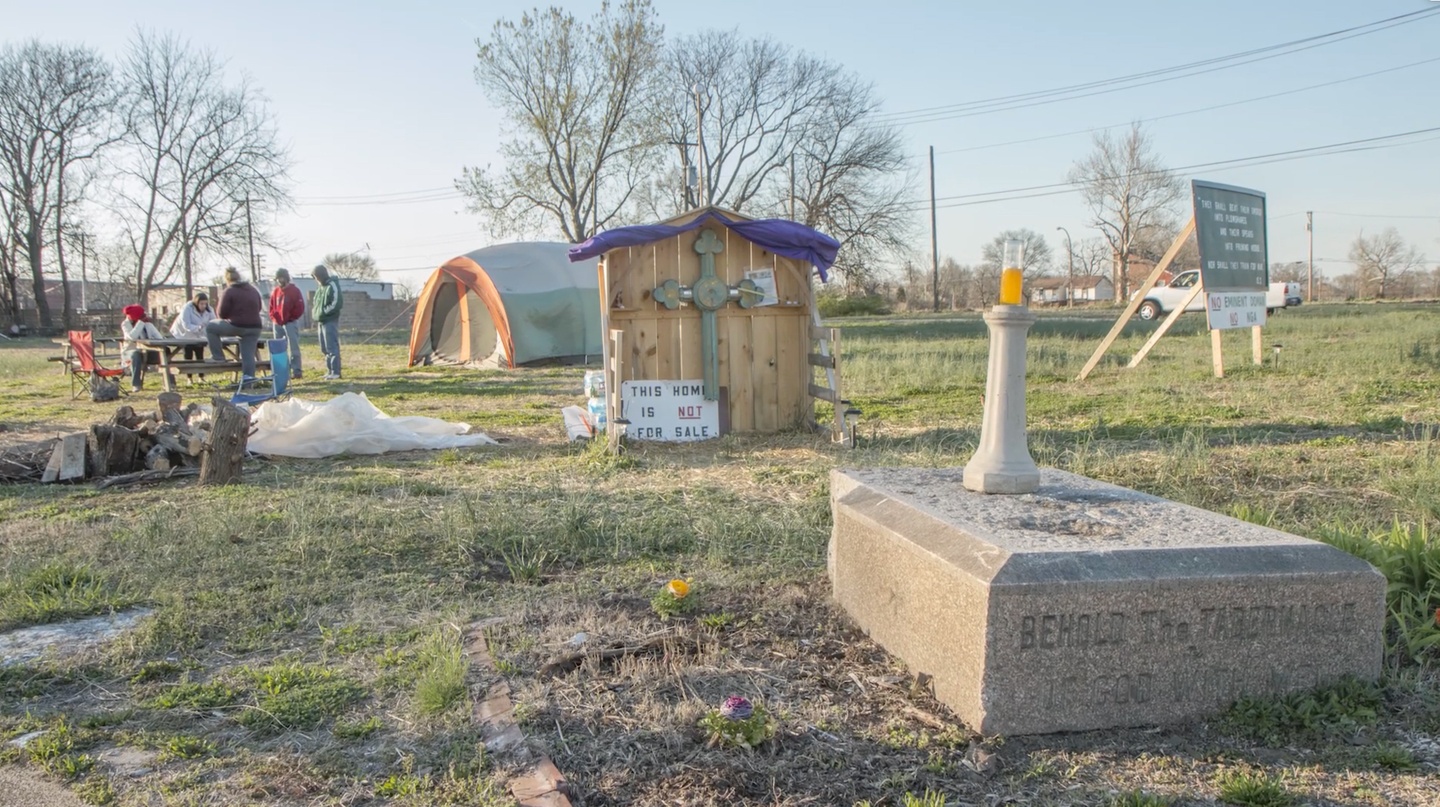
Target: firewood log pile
205, 440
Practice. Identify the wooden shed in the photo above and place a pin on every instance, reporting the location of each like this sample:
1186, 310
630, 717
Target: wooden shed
659, 284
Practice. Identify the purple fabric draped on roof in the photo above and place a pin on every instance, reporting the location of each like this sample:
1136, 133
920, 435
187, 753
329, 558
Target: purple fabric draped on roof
777, 235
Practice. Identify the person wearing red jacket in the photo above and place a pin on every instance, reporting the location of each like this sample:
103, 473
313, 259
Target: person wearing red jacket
287, 306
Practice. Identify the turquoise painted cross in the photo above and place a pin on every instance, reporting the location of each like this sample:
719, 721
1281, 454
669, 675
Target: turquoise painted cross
709, 294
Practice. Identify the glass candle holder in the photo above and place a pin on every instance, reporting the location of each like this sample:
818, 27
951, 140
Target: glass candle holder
1011, 284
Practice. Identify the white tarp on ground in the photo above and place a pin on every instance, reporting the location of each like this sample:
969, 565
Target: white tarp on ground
349, 423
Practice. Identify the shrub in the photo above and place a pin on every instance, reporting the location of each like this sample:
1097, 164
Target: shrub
840, 305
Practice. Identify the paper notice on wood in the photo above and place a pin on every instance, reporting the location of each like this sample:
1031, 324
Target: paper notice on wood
765, 279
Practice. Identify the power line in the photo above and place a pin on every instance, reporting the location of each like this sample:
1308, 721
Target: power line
418, 200
374, 195
1210, 108
1104, 86
1057, 188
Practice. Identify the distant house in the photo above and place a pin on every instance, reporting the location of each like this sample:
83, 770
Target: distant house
1059, 290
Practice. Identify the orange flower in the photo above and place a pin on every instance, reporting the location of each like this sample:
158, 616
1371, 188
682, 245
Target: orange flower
1437, 617
678, 588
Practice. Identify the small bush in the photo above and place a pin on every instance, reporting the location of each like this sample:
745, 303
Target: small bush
1326, 712
1254, 789
840, 305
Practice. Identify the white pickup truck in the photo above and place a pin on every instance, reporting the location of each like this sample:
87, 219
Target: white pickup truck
1163, 299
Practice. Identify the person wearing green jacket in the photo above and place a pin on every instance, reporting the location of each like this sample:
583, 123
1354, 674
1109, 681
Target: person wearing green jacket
326, 307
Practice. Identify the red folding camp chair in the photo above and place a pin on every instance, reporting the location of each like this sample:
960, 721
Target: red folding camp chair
83, 367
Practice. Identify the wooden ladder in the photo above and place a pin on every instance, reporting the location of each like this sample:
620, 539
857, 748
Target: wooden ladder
825, 354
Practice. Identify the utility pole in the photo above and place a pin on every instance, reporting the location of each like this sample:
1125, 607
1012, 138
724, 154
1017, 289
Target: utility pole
84, 305
1310, 228
703, 194
1070, 253
792, 186
934, 242
250, 238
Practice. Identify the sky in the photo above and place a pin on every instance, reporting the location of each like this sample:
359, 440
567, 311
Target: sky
378, 107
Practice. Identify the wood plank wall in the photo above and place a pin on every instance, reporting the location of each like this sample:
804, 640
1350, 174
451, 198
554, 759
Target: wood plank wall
762, 351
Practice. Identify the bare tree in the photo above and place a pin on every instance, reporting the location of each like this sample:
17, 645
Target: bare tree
1290, 272
202, 156
1036, 258
1128, 191
1382, 259
789, 135
352, 265
55, 107
578, 99
1093, 257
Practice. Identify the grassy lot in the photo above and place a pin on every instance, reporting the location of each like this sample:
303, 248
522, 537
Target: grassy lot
304, 645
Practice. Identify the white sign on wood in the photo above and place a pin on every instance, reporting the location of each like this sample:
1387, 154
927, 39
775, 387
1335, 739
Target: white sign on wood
765, 279
669, 411
1236, 309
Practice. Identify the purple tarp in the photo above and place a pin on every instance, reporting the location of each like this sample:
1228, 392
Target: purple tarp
777, 235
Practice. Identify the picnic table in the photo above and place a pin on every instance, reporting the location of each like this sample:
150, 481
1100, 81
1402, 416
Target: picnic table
171, 346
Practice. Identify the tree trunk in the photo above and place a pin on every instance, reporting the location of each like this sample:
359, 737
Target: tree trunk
35, 251
65, 307
222, 461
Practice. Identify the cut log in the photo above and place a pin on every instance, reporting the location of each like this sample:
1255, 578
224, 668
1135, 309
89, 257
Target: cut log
195, 444
72, 461
158, 458
125, 417
52, 468
169, 411
224, 456
114, 450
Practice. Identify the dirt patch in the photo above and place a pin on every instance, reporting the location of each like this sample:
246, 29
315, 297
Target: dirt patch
23, 788
851, 723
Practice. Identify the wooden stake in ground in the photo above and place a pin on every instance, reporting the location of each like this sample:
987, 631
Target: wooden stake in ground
223, 458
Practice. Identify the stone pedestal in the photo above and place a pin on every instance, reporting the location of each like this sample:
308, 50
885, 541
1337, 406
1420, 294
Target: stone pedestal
1002, 462
1085, 605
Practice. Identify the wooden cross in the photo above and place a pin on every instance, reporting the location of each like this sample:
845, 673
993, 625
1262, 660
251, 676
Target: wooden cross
709, 294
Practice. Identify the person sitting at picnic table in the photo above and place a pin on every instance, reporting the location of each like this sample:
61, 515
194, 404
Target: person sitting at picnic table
237, 315
134, 328
190, 324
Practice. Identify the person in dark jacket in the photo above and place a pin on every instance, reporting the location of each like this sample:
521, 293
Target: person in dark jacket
238, 314
287, 306
325, 308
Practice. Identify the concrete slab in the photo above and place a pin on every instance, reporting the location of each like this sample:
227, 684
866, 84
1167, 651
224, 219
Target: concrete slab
1086, 605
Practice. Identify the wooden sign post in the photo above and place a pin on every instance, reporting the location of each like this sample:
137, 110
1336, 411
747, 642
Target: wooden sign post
1229, 228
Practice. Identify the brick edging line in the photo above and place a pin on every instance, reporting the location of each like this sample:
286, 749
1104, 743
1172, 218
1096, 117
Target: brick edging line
539, 785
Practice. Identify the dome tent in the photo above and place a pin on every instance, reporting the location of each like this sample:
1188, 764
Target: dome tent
508, 305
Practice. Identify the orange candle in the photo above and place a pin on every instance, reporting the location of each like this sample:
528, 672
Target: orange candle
1011, 284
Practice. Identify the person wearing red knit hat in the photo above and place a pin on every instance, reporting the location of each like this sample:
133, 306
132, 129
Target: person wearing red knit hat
134, 328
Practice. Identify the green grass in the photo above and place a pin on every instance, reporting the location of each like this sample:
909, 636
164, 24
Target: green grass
1137, 798
1254, 789
297, 696
54, 592
301, 600
440, 685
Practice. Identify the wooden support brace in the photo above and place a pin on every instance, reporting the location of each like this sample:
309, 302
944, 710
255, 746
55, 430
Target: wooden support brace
1134, 304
